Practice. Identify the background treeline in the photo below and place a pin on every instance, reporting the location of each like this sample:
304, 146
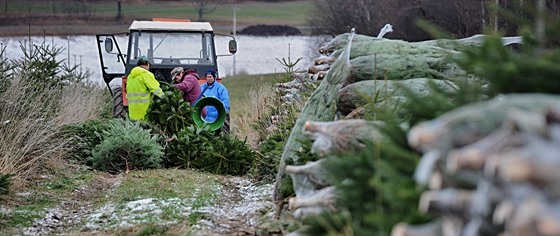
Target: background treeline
461, 18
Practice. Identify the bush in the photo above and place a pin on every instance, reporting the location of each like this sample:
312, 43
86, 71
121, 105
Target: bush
190, 143
198, 148
83, 137
126, 146
265, 166
171, 113
234, 156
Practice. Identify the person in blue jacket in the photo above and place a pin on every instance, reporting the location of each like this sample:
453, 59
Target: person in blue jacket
214, 89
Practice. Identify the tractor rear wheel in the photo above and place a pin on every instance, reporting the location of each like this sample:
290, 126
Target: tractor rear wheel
119, 110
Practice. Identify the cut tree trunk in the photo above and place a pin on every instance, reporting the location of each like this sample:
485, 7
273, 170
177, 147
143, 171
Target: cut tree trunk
469, 123
341, 136
505, 182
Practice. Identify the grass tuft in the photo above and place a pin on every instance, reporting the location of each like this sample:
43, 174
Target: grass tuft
31, 121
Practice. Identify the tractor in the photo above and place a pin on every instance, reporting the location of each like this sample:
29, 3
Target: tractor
168, 43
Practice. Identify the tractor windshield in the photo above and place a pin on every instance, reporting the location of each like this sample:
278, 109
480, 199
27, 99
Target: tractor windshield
166, 48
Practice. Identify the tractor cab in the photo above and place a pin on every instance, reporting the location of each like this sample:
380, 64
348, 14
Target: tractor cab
166, 43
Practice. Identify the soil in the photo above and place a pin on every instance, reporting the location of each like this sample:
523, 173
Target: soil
243, 208
270, 30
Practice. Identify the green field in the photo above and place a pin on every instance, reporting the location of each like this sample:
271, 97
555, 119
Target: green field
292, 13
239, 87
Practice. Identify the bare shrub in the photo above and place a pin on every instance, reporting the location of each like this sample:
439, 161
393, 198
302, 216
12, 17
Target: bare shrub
460, 18
80, 102
31, 124
26, 137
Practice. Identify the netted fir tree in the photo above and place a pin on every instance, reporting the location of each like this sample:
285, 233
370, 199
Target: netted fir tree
378, 191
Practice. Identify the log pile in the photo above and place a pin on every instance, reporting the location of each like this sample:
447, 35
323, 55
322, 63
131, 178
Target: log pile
321, 106
492, 168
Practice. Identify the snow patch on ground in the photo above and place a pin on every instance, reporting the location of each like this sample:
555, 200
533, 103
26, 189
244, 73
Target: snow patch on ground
149, 210
239, 206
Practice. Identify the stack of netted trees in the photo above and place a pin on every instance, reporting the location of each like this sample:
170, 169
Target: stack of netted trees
371, 68
354, 75
490, 166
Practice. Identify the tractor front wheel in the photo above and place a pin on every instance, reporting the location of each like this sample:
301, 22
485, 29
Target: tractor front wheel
119, 110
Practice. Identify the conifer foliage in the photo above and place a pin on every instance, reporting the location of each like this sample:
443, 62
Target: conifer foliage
167, 139
125, 146
170, 114
533, 67
188, 146
375, 186
198, 148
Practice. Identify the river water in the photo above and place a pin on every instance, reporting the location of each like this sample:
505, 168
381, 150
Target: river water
255, 54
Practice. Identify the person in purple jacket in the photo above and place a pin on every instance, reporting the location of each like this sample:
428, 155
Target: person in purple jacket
187, 82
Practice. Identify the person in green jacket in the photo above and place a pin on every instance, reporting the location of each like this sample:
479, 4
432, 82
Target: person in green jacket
141, 85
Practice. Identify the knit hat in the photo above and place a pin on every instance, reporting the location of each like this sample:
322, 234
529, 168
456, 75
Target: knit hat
176, 71
210, 72
143, 60
190, 71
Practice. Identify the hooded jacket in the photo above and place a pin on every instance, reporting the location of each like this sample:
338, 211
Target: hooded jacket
189, 86
141, 85
219, 91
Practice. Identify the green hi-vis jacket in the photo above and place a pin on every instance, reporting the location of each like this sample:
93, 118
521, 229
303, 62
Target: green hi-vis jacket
140, 85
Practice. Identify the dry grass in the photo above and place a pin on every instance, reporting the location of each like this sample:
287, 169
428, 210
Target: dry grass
258, 103
263, 112
30, 125
80, 103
